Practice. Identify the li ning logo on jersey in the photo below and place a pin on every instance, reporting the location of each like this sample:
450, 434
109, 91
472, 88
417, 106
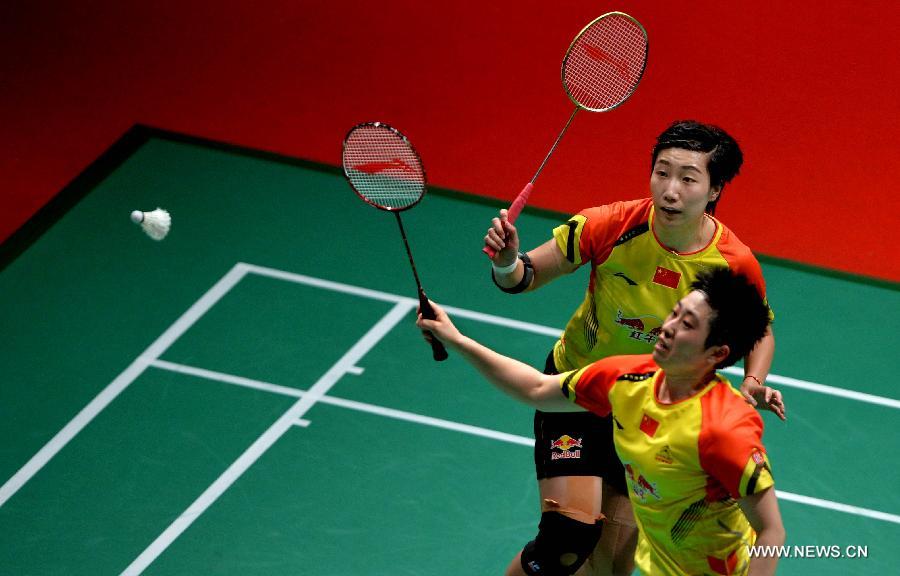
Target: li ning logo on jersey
565, 447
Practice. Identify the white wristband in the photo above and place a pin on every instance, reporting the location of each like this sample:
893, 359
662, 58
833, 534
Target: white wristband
504, 270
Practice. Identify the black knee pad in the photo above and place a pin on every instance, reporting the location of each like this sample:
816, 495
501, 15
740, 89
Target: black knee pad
561, 547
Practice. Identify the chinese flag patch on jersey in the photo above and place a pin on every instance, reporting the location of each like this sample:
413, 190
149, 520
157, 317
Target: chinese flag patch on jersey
649, 425
666, 277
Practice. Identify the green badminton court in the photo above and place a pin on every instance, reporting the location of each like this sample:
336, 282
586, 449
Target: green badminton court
251, 396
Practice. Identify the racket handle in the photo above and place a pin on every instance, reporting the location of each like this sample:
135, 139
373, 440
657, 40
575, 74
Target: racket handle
514, 209
437, 347
437, 350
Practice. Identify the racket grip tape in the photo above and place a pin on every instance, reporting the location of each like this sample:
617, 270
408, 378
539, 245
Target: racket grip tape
513, 212
438, 351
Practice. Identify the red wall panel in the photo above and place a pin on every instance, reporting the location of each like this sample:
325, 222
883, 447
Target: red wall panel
809, 91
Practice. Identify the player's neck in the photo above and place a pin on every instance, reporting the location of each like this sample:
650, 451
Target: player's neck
676, 387
686, 238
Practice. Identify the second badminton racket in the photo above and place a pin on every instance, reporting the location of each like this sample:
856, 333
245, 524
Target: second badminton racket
384, 169
600, 71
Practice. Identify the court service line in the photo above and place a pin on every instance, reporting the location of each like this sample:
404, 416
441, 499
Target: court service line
120, 383
465, 428
821, 388
349, 404
839, 507
549, 331
346, 364
388, 297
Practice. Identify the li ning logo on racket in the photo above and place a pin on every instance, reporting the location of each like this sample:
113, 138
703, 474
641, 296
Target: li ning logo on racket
600, 55
379, 167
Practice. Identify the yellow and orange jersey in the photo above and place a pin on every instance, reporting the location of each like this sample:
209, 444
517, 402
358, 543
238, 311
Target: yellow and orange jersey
635, 280
686, 464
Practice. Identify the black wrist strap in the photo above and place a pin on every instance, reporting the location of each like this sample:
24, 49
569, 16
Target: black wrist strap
527, 277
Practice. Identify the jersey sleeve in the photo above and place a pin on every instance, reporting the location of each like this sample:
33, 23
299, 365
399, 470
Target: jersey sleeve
580, 235
731, 448
591, 234
742, 261
590, 387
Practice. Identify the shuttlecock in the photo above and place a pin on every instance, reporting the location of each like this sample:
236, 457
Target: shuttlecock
156, 223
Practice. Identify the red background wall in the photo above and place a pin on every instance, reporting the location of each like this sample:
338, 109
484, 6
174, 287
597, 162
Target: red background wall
809, 89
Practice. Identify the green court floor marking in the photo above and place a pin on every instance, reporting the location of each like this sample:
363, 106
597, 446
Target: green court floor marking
345, 365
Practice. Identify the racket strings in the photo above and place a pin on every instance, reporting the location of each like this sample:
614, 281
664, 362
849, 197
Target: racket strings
383, 167
605, 63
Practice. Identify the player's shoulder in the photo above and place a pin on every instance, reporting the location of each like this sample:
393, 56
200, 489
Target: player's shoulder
623, 209
739, 256
729, 240
725, 410
627, 367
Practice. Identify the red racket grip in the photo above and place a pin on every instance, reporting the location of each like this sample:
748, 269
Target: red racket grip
437, 347
514, 209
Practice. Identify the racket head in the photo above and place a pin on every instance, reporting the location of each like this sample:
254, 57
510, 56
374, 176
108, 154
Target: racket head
382, 166
605, 62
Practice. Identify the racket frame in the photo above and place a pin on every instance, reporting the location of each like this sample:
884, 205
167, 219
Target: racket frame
438, 349
411, 148
522, 198
571, 48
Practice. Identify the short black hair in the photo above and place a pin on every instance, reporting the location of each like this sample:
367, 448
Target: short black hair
725, 156
740, 314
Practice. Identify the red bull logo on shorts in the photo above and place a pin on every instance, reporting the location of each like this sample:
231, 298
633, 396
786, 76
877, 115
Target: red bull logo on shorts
565, 447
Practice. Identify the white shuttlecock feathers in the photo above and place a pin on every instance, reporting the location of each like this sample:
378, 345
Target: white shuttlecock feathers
156, 223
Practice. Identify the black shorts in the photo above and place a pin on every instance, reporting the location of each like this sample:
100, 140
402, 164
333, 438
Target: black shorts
575, 444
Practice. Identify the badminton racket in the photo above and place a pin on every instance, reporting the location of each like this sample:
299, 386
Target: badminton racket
600, 71
384, 169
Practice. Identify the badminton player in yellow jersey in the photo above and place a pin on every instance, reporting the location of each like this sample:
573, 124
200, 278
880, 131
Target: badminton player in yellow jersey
643, 256
698, 475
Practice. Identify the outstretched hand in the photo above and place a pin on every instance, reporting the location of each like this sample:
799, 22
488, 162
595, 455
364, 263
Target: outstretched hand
763, 397
503, 239
441, 327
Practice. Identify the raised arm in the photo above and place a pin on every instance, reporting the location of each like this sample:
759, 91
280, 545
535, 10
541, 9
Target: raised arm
515, 378
761, 509
509, 271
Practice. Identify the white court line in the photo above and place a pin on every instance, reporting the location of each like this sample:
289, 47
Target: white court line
551, 332
875, 514
294, 414
466, 429
821, 388
349, 404
121, 382
388, 297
